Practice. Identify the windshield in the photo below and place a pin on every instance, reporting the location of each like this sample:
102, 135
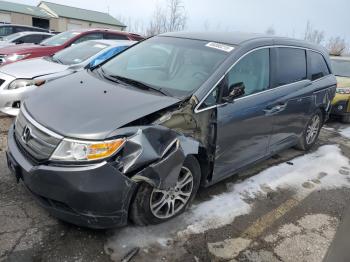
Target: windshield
341, 67
79, 53
175, 65
12, 37
60, 39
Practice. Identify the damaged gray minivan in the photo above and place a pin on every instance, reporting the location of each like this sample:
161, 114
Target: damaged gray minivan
135, 137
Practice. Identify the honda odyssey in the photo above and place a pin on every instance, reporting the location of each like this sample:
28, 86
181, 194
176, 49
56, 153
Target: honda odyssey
135, 137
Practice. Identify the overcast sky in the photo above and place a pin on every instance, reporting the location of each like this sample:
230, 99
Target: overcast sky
288, 17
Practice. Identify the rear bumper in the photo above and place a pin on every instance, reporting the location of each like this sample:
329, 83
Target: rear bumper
94, 196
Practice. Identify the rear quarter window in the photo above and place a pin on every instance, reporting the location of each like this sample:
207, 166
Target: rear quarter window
317, 66
290, 65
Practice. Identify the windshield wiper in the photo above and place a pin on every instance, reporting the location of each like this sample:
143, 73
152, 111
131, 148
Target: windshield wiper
136, 83
55, 59
139, 84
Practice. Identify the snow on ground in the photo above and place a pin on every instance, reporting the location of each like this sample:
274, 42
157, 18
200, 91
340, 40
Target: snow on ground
329, 128
345, 132
326, 165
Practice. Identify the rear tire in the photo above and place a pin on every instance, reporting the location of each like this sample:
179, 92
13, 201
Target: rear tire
311, 132
153, 206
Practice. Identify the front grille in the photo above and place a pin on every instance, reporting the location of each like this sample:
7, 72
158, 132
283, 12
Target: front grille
40, 144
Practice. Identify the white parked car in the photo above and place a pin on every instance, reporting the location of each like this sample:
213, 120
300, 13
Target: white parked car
19, 79
24, 38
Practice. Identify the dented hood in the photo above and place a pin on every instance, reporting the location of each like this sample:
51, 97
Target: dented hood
84, 106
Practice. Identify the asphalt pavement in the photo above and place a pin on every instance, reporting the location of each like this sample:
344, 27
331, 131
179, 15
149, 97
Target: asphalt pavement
280, 225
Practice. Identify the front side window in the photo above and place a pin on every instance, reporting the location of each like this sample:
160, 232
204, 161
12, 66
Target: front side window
318, 66
21, 29
31, 39
78, 53
211, 99
341, 67
290, 65
60, 39
175, 65
253, 71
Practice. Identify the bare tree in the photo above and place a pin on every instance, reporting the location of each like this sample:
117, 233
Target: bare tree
171, 17
177, 17
313, 35
133, 25
337, 46
206, 25
158, 22
270, 31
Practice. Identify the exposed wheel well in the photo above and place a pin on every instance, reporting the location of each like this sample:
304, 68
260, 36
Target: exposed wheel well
205, 164
324, 114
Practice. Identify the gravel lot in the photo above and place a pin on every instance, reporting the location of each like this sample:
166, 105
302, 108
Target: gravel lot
280, 225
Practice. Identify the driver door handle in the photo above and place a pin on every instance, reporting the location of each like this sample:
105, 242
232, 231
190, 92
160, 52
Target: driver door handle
275, 109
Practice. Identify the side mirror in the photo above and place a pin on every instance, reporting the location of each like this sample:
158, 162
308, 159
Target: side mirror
234, 91
18, 42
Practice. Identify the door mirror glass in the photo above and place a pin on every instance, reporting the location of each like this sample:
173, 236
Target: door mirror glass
235, 90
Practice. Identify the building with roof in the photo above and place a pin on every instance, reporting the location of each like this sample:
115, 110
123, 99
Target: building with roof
67, 17
24, 14
56, 17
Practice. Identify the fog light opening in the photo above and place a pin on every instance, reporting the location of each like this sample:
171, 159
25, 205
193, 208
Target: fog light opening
16, 104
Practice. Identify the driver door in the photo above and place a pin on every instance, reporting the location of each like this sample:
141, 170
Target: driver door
243, 127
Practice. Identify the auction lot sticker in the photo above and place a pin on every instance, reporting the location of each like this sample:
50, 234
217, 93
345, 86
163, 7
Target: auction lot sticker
222, 47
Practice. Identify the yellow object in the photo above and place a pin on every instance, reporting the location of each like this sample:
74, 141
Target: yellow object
342, 82
105, 149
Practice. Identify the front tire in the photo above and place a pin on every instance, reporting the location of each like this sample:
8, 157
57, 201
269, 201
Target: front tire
311, 132
154, 206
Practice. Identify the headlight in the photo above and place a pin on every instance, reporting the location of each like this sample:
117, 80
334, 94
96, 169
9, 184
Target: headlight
343, 90
18, 83
71, 150
15, 57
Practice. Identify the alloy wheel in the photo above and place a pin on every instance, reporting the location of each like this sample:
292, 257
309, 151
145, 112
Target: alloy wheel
312, 129
167, 203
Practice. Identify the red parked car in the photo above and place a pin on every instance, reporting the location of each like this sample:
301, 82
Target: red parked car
58, 42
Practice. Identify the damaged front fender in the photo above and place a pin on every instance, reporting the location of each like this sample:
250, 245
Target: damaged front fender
155, 154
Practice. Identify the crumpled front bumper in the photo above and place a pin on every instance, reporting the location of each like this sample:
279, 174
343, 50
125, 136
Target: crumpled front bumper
95, 196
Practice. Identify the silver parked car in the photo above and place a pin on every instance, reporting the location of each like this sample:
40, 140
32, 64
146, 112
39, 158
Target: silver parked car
24, 38
19, 79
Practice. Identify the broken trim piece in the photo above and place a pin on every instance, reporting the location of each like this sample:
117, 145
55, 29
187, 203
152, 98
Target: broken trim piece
155, 155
